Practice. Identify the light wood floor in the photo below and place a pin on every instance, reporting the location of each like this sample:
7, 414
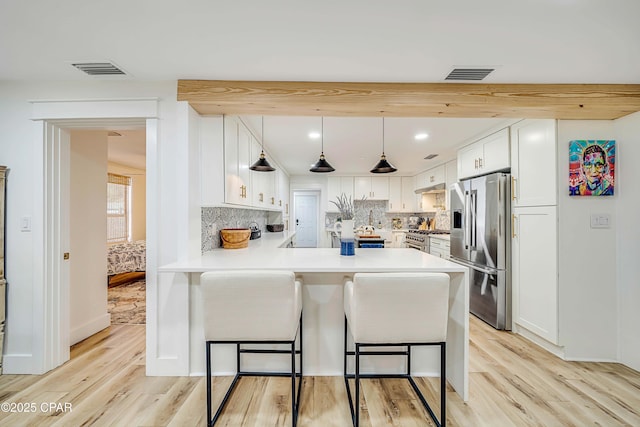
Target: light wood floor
513, 383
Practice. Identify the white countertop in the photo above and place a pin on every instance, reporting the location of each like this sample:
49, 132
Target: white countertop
265, 253
326, 267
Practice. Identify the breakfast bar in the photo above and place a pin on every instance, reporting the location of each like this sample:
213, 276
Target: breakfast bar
323, 271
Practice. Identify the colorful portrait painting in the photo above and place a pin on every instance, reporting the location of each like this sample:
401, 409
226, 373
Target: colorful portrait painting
592, 167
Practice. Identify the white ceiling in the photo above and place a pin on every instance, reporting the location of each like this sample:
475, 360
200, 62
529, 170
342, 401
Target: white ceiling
527, 41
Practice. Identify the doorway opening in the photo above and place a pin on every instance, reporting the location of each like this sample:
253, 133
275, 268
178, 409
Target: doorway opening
307, 218
126, 226
107, 228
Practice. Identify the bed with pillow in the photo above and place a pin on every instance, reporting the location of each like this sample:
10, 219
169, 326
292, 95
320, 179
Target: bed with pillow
126, 257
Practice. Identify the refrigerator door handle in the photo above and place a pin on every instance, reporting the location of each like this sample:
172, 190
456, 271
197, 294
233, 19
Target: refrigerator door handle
467, 219
474, 218
474, 266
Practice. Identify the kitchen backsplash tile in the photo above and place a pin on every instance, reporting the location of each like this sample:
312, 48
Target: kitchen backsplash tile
215, 219
381, 218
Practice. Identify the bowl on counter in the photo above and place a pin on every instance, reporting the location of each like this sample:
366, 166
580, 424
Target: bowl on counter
275, 227
235, 238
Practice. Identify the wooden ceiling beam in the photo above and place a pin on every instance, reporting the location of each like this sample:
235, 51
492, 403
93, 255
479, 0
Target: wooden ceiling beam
559, 101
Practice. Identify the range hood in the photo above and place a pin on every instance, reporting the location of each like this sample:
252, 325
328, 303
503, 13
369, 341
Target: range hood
438, 188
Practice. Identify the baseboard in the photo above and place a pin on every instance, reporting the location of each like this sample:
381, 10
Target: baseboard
89, 328
17, 364
541, 342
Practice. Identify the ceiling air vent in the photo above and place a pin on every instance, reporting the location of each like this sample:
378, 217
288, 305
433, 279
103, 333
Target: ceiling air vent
431, 156
99, 68
469, 73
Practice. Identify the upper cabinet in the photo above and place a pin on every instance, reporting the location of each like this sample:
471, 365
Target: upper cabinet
432, 177
336, 186
486, 155
533, 163
371, 187
242, 185
237, 155
282, 185
402, 197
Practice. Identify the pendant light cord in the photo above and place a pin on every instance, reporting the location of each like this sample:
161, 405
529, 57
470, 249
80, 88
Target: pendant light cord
383, 136
322, 135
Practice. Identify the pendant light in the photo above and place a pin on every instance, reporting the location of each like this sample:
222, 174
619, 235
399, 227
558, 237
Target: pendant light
383, 165
322, 165
262, 165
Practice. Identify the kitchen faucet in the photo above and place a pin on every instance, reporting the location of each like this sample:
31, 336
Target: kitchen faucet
371, 217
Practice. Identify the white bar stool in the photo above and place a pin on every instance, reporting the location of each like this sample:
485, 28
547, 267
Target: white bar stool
252, 307
396, 309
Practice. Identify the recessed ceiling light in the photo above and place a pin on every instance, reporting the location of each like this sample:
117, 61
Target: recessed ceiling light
314, 135
421, 136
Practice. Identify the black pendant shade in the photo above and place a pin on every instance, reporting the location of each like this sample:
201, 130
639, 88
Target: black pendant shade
383, 165
322, 166
262, 165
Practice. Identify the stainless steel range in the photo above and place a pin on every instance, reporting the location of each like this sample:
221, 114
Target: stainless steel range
419, 239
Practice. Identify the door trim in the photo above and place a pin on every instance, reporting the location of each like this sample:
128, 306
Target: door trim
51, 285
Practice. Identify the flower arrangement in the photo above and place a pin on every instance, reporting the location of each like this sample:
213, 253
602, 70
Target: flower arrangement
345, 206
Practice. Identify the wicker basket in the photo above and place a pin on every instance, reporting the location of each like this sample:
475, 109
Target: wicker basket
235, 238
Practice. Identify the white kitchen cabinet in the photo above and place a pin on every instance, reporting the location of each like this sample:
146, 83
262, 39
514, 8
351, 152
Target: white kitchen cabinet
401, 194
489, 154
263, 184
282, 202
408, 194
237, 157
336, 186
533, 163
535, 270
371, 187
395, 194
398, 239
431, 177
439, 247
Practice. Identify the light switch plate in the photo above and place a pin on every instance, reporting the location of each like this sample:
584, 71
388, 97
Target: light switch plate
25, 223
600, 221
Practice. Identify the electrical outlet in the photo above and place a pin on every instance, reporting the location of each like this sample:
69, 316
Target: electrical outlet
600, 221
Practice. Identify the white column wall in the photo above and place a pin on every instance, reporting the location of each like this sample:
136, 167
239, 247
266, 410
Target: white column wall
19, 150
587, 256
628, 239
88, 235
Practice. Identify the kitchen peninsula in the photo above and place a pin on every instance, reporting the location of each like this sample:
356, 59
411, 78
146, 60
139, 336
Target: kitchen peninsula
323, 271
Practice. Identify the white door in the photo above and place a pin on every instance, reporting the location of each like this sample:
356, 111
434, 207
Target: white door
306, 220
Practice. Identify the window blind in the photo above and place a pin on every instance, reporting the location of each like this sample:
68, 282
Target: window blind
118, 208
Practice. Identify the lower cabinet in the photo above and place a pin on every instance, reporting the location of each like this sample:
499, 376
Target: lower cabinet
439, 247
535, 270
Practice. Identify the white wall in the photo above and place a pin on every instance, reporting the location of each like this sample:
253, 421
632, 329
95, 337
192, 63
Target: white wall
587, 256
20, 147
138, 198
628, 238
88, 219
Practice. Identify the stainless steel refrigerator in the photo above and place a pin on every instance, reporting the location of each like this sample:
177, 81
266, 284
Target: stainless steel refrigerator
481, 240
